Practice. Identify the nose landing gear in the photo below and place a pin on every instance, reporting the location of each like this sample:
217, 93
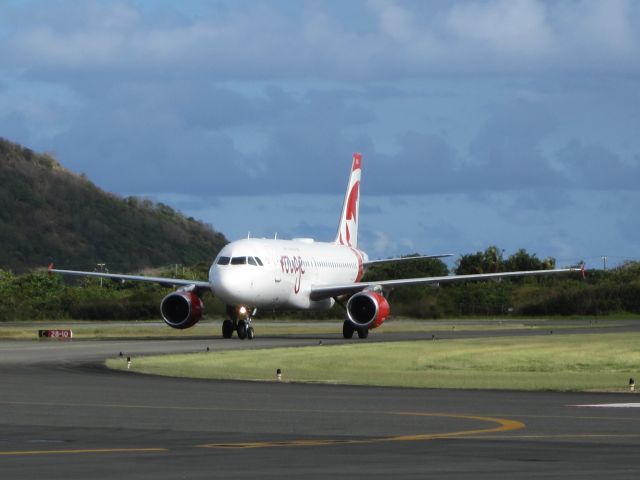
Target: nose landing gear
239, 322
245, 330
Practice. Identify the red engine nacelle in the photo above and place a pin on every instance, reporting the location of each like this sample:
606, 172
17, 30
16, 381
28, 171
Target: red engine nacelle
367, 310
181, 309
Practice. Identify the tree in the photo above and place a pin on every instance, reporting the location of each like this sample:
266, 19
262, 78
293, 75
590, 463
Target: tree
416, 268
521, 260
489, 261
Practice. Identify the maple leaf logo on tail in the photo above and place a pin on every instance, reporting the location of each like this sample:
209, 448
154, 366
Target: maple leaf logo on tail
348, 229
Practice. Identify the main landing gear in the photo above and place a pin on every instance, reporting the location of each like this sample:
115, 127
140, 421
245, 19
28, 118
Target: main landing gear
239, 322
348, 329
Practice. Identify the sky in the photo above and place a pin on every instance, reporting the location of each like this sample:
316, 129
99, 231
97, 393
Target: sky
483, 122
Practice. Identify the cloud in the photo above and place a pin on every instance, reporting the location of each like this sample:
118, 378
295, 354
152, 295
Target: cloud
264, 41
607, 27
593, 166
140, 137
503, 26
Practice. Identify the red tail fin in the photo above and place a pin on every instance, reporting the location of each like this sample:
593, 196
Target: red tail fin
348, 229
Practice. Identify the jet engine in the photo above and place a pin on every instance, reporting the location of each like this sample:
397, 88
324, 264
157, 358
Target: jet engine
367, 310
181, 309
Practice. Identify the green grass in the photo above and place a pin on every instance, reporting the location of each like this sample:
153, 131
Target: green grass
599, 362
96, 330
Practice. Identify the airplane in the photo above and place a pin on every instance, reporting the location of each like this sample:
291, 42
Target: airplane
297, 274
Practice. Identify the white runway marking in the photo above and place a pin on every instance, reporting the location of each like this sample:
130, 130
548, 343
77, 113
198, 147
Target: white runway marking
611, 405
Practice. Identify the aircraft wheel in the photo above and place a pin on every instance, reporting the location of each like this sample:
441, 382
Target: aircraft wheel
250, 333
242, 329
227, 328
347, 329
363, 332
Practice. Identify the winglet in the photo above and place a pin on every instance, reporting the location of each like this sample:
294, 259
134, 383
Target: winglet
583, 270
50, 269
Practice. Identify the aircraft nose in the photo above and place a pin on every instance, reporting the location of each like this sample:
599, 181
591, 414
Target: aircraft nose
227, 285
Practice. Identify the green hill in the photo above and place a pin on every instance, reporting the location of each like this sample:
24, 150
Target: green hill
49, 214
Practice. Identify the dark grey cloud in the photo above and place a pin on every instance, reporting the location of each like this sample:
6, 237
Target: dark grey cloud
425, 163
143, 161
145, 138
308, 160
137, 138
505, 155
507, 151
596, 167
627, 223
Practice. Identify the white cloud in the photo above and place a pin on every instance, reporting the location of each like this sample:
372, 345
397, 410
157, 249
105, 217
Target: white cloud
609, 27
48, 47
502, 26
394, 21
260, 40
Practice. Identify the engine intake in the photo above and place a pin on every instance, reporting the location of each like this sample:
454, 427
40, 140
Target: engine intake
181, 309
367, 310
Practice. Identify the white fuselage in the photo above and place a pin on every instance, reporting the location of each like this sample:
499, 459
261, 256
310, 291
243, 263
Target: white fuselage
279, 274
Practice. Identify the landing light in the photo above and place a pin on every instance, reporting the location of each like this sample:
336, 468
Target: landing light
243, 310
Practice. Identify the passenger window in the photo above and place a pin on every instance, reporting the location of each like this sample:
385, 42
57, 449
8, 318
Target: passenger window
223, 261
252, 261
238, 260
259, 261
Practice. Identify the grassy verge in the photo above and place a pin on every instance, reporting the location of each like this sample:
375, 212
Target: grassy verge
156, 330
603, 362
106, 330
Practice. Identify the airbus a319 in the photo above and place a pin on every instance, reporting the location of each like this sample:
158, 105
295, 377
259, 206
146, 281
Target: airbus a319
298, 274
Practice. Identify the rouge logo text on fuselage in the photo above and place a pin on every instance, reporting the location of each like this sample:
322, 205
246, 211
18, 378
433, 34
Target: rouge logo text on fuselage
293, 266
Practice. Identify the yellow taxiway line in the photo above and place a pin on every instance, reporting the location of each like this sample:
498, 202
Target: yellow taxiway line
503, 425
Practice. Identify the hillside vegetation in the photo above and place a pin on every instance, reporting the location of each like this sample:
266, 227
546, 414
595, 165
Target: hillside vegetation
38, 296
615, 291
49, 214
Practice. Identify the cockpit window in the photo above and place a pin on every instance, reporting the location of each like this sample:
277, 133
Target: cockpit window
259, 261
238, 260
223, 261
252, 261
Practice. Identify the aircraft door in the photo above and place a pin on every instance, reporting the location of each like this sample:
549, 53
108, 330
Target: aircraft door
277, 270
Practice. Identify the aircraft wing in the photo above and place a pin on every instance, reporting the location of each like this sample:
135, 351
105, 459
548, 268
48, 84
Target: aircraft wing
167, 282
402, 259
321, 292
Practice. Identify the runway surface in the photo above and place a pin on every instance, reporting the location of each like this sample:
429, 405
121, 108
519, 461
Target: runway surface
62, 415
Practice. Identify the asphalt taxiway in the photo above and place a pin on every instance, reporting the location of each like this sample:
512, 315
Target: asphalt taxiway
63, 415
